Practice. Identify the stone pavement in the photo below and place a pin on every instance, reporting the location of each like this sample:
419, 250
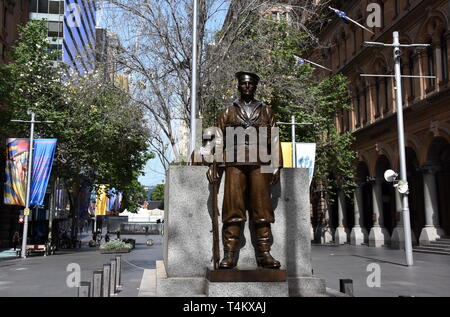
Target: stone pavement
46, 276
429, 276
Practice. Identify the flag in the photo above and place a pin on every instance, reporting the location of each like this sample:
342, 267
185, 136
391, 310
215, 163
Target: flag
43, 155
306, 157
342, 15
15, 187
286, 149
102, 199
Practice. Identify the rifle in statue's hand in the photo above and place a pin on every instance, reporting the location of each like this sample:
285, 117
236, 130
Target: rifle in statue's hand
214, 176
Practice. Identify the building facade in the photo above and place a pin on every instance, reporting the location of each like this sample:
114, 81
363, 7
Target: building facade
373, 215
71, 30
12, 14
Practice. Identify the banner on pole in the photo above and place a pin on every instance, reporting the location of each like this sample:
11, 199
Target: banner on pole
306, 157
102, 201
17, 151
286, 149
43, 155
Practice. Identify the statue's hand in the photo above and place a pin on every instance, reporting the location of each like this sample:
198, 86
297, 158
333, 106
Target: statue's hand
275, 177
213, 175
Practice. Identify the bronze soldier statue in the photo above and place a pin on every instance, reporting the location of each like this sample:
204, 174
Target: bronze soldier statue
246, 186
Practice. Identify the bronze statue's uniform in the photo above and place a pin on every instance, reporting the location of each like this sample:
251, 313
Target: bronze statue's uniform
246, 187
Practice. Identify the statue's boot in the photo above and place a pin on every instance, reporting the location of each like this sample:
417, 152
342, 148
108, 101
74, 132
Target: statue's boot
231, 235
263, 256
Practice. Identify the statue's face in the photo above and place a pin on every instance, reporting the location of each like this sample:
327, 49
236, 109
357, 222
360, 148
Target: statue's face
247, 86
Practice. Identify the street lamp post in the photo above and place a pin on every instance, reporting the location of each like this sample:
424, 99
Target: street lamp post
401, 131
194, 77
26, 211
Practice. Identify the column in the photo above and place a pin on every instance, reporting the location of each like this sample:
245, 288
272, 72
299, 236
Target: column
326, 235
378, 236
340, 236
422, 66
432, 230
359, 234
398, 235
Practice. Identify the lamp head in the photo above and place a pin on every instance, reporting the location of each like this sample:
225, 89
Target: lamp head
390, 176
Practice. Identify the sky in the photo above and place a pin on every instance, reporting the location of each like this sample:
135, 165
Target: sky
154, 171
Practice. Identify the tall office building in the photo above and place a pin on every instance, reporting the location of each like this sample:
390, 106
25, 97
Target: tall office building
71, 29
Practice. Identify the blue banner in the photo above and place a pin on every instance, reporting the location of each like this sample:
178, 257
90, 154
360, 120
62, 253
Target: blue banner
43, 154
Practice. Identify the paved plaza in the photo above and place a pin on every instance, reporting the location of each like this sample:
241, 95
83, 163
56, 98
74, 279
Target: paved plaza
46, 276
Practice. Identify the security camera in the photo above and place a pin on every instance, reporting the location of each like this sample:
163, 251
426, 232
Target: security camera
390, 176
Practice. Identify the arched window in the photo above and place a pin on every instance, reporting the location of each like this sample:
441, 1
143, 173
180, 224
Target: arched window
411, 73
397, 7
444, 57
431, 66
386, 94
366, 105
377, 99
358, 109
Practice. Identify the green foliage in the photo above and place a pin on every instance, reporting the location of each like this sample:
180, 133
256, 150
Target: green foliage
157, 193
116, 244
102, 135
134, 195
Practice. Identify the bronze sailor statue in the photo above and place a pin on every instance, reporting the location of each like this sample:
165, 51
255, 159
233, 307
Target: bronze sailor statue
247, 184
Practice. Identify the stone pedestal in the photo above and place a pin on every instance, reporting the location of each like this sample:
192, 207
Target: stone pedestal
340, 236
358, 236
378, 237
327, 236
429, 234
188, 240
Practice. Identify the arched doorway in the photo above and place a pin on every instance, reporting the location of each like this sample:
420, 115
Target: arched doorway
388, 194
415, 197
366, 188
439, 155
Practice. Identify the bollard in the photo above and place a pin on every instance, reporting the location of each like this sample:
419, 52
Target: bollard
97, 283
118, 271
112, 282
83, 289
106, 279
346, 286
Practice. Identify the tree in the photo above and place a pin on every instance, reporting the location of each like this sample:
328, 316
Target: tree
102, 134
157, 193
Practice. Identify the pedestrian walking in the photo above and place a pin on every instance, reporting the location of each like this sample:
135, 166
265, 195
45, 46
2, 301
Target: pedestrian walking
118, 235
15, 240
106, 237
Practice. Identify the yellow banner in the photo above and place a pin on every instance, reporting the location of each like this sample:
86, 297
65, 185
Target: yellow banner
102, 200
286, 148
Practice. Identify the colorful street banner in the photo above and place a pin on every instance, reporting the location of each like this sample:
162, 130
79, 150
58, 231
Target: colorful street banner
306, 157
17, 151
43, 155
102, 201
